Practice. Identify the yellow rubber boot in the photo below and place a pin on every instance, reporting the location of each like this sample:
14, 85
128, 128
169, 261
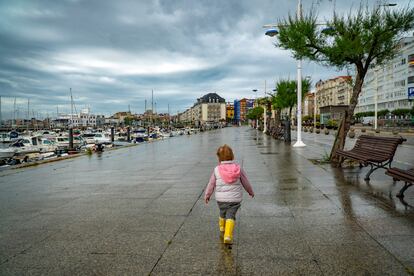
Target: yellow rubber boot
228, 232
222, 222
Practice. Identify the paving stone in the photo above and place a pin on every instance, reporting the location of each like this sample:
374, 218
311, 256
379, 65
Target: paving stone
270, 265
367, 258
140, 210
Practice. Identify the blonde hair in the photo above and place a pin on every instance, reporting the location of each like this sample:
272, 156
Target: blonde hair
225, 153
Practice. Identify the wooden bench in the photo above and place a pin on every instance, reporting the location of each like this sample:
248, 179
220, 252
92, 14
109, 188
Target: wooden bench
378, 152
402, 175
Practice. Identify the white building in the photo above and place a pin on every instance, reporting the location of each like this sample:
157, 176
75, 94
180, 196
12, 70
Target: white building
209, 109
391, 82
83, 119
86, 118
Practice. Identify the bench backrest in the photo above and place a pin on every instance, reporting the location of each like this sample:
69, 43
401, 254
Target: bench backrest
382, 145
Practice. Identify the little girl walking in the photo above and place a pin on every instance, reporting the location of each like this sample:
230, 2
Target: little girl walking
228, 179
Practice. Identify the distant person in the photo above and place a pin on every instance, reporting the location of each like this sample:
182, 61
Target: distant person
228, 179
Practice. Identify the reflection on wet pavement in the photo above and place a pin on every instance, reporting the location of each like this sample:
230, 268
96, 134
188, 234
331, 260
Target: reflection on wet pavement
140, 211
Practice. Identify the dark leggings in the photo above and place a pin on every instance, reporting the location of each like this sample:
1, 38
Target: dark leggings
228, 210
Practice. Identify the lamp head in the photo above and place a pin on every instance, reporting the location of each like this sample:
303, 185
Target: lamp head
271, 32
328, 30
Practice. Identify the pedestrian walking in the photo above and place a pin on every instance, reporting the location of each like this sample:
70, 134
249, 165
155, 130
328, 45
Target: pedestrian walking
228, 180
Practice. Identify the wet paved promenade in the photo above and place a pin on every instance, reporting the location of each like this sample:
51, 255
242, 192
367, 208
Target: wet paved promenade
140, 211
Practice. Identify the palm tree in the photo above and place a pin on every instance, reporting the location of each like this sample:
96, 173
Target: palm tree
286, 96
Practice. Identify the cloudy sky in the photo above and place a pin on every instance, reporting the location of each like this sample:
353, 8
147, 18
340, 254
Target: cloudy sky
113, 53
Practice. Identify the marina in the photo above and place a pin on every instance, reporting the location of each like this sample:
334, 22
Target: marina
17, 148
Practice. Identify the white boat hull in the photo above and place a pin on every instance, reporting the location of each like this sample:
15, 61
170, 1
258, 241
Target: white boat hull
6, 154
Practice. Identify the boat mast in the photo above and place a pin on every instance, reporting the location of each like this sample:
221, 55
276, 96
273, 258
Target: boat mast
152, 100
152, 105
28, 114
14, 112
71, 107
1, 121
35, 120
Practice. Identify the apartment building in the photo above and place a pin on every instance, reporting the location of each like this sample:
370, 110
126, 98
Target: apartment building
392, 84
209, 109
333, 92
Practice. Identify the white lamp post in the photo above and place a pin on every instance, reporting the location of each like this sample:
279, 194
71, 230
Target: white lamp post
257, 121
314, 109
376, 77
376, 100
273, 32
265, 112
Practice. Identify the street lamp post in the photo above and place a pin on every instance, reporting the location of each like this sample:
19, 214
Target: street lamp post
274, 32
265, 113
255, 100
299, 142
376, 100
314, 110
376, 76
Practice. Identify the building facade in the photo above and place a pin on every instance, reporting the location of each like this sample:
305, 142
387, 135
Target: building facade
309, 104
83, 119
229, 112
332, 92
209, 109
241, 107
391, 84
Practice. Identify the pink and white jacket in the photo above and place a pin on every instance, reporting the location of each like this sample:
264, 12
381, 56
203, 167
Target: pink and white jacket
228, 179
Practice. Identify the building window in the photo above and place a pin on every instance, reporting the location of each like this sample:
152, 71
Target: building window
399, 83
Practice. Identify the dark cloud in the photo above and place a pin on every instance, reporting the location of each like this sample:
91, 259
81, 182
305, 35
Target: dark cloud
113, 53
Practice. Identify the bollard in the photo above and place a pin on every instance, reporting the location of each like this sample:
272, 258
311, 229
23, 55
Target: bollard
287, 131
70, 139
128, 134
112, 134
99, 147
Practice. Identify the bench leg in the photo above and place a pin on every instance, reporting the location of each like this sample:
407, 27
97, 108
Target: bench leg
376, 168
370, 172
401, 192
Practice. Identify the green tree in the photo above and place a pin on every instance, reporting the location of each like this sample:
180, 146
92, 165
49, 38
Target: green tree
383, 113
286, 96
255, 113
128, 121
277, 105
358, 39
401, 112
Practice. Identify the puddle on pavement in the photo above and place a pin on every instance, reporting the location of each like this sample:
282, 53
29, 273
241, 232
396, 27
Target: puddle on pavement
226, 264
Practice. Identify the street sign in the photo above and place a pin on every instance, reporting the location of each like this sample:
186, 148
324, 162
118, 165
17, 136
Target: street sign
410, 93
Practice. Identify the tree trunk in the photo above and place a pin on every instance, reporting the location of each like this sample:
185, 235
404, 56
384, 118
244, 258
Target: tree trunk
277, 117
345, 124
